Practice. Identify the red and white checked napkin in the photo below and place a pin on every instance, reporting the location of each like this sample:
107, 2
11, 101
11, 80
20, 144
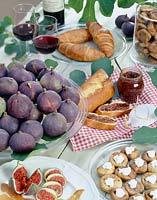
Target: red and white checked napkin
88, 137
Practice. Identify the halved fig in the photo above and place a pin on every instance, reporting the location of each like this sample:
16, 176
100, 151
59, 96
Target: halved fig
114, 109
55, 186
19, 178
51, 171
58, 178
46, 194
101, 122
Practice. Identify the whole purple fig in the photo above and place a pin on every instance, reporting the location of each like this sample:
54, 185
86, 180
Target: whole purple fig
128, 29
35, 66
15, 64
120, 20
31, 89
42, 73
54, 124
19, 106
69, 109
48, 101
22, 142
2, 106
9, 123
3, 71
4, 139
70, 93
35, 114
52, 81
33, 128
21, 75
8, 86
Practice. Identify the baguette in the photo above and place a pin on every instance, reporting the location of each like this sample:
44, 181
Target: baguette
100, 122
98, 89
114, 109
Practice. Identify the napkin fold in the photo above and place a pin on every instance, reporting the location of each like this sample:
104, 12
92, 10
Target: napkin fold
88, 137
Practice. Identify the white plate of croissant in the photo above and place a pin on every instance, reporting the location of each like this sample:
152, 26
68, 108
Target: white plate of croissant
84, 43
125, 171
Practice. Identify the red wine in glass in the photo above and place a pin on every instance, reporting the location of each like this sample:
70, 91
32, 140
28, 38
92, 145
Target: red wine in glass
45, 44
25, 31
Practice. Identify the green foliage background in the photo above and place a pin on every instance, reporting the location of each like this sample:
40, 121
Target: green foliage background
106, 7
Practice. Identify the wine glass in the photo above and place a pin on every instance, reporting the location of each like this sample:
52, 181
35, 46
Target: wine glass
45, 42
25, 24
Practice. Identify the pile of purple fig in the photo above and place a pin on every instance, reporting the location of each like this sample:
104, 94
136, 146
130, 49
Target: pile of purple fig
34, 101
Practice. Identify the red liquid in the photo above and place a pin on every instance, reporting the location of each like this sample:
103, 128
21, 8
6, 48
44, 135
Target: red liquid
25, 32
46, 44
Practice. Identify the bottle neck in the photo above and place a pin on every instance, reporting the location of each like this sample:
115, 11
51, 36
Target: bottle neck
53, 5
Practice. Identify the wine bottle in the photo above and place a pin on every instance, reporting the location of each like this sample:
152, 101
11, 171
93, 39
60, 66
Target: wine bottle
54, 8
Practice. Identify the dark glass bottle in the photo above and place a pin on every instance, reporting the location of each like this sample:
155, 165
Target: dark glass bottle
54, 8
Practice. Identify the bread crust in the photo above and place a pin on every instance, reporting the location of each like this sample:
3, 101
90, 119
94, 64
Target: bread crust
98, 89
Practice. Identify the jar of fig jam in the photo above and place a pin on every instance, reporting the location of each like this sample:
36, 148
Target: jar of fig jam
130, 84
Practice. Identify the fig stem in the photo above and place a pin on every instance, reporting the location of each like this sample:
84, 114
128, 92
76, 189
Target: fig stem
117, 64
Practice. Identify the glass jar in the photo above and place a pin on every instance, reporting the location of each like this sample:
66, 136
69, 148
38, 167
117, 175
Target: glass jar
145, 33
130, 84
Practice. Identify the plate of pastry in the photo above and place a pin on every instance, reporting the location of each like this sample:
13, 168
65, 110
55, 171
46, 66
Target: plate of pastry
84, 43
45, 178
122, 170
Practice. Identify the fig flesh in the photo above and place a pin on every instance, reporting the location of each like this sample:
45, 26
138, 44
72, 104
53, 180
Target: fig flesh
45, 194
3, 71
51, 171
52, 81
31, 89
58, 178
9, 123
8, 86
69, 109
19, 106
33, 128
48, 101
4, 139
54, 185
22, 142
2, 106
35, 66
54, 124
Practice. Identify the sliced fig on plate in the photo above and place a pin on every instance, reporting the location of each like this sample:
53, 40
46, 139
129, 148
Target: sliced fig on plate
58, 178
51, 171
45, 194
55, 186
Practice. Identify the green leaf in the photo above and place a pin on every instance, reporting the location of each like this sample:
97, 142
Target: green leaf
2, 38
23, 156
106, 7
7, 20
20, 49
155, 112
104, 63
77, 5
153, 76
125, 3
10, 48
88, 12
78, 77
51, 63
145, 135
2, 27
49, 139
116, 93
32, 48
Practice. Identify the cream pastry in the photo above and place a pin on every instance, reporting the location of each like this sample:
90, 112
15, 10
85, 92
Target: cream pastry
106, 168
133, 187
131, 152
137, 197
110, 181
138, 165
125, 173
152, 166
118, 159
119, 194
151, 194
149, 180
149, 155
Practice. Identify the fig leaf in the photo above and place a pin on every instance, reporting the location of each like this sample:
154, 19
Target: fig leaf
3, 36
145, 135
104, 63
153, 76
77, 5
106, 8
125, 3
78, 76
51, 63
155, 112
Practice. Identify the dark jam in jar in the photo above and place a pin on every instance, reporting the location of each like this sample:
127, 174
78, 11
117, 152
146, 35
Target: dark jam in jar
130, 84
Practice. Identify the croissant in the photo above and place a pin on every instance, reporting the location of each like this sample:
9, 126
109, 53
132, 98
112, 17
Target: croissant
103, 38
80, 52
76, 36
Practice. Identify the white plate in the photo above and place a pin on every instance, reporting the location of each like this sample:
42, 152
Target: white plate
119, 40
76, 177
